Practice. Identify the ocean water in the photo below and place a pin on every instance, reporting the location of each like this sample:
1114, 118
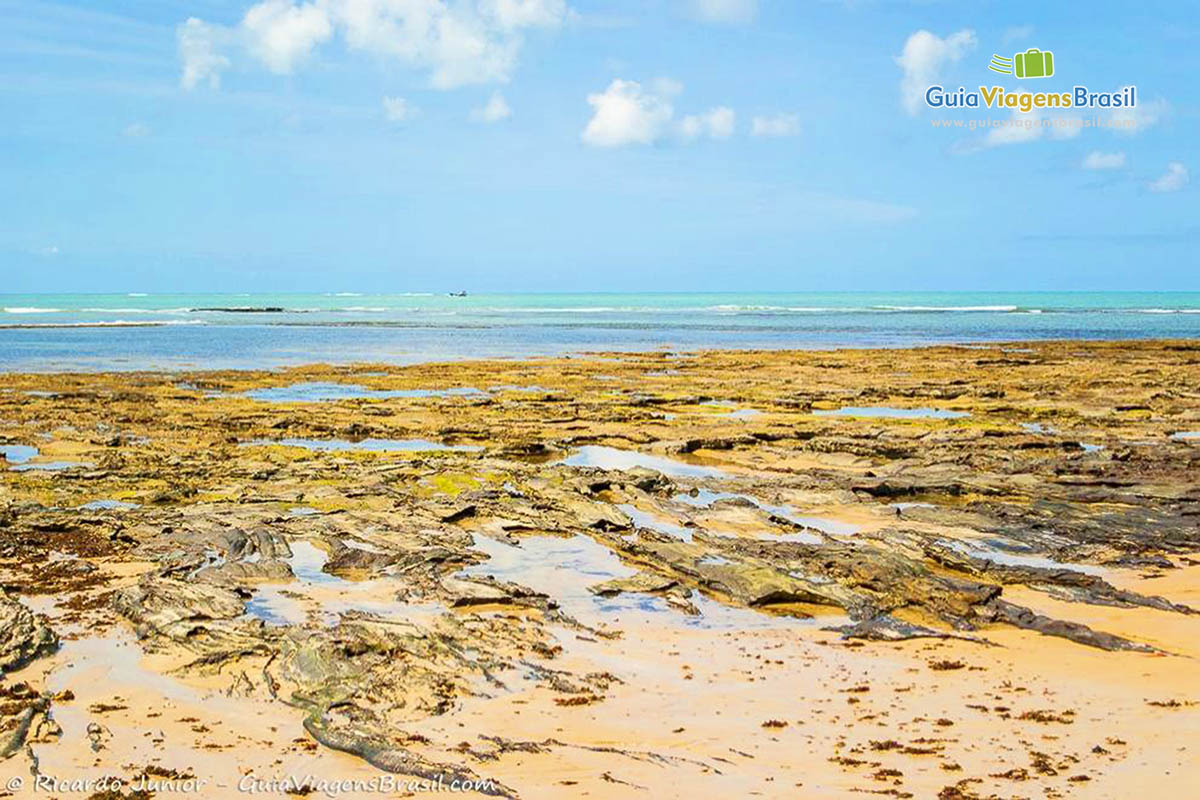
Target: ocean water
138, 331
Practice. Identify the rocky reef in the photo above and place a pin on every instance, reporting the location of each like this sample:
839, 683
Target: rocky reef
392, 552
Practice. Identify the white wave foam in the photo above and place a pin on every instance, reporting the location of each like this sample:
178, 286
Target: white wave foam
949, 308
31, 310
113, 323
718, 309
136, 310
733, 309
579, 310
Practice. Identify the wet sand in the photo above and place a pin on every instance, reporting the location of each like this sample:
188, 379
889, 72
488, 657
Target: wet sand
612, 576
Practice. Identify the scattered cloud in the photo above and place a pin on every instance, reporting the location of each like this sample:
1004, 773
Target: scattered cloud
1175, 178
716, 123
198, 44
512, 15
599, 20
1099, 160
725, 12
397, 109
627, 113
778, 125
1012, 134
1021, 127
494, 110
1017, 33
925, 54
1062, 124
47, 252
458, 42
1139, 118
281, 35
136, 130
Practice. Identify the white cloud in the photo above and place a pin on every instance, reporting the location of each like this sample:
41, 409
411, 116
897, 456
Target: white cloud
1021, 127
1135, 120
1062, 124
513, 14
778, 125
627, 113
1099, 160
136, 130
453, 42
280, 34
1024, 129
495, 110
924, 56
1175, 178
1067, 129
724, 11
458, 42
397, 109
198, 43
717, 123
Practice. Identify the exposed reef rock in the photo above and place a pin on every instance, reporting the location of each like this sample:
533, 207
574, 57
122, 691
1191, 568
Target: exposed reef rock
24, 635
436, 534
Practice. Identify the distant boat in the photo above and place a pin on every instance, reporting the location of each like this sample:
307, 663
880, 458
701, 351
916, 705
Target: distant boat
456, 294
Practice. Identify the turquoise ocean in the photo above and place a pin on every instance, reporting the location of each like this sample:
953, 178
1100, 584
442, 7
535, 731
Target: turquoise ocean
136, 331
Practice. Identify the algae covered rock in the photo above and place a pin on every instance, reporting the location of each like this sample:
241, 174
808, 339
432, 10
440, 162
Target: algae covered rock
24, 635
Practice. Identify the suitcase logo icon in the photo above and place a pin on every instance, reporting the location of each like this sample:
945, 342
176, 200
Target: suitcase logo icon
1033, 63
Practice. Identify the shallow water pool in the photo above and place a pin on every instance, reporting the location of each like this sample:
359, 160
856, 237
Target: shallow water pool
703, 498
643, 519
108, 505
615, 458
49, 466
17, 453
323, 392
375, 445
1011, 559
890, 412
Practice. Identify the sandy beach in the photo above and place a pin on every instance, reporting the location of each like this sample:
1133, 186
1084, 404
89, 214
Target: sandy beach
951, 572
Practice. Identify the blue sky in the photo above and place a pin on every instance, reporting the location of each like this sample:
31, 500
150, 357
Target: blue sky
399, 145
